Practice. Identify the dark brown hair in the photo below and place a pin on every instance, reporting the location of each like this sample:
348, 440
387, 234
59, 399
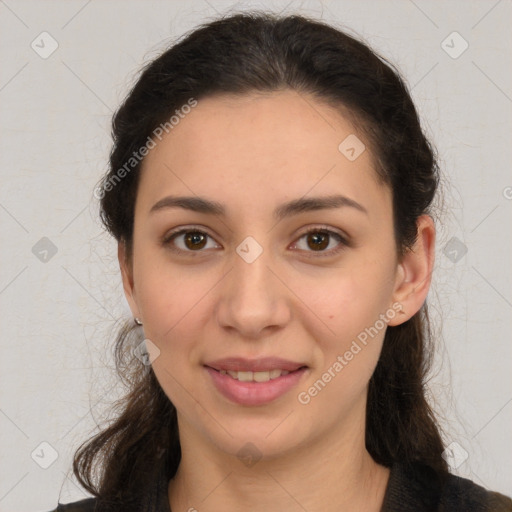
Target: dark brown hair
261, 52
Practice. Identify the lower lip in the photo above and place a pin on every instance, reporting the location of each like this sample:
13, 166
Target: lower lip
254, 393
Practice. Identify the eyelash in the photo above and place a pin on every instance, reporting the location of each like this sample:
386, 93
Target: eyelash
343, 243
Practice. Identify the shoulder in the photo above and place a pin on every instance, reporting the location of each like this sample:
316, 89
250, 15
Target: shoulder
87, 505
418, 488
467, 495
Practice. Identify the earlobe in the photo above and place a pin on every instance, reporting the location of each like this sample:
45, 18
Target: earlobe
414, 272
127, 278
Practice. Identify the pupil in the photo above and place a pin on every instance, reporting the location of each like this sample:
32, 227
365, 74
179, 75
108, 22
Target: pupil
195, 238
319, 240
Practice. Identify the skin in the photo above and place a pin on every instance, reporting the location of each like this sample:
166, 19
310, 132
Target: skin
210, 303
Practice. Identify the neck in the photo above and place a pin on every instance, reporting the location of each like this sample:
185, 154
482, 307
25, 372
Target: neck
331, 474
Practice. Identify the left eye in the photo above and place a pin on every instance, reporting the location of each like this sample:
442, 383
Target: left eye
318, 240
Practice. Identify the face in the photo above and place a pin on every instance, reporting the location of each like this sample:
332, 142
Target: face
263, 278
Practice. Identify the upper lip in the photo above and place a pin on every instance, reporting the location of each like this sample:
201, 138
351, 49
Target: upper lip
241, 364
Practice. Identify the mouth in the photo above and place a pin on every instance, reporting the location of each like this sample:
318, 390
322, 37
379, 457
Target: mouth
255, 383
260, 365
260, 376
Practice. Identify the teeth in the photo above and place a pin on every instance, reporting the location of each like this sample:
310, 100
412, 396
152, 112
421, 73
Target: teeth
276, 373
244, 376
255, 376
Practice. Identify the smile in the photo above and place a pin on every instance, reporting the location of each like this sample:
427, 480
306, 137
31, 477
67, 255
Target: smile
263, 376
255, 388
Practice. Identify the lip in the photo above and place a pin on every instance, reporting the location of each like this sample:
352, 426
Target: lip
241, 364
254, 393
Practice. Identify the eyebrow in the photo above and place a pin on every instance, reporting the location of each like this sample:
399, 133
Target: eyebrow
203, 205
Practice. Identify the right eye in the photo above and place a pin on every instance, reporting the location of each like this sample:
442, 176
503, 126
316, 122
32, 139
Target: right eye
188, 240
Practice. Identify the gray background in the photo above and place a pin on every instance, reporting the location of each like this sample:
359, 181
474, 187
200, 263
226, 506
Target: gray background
59, 311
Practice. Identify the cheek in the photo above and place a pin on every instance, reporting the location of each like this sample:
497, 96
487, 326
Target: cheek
174, 316
349, 340
174, 303
171, 298
347, 344
350, 299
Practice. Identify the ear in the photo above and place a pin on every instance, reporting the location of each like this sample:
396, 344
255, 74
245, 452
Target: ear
127, 275
414, 272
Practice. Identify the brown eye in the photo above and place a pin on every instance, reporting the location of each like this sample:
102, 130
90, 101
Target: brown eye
325, 242
195, 240
188, 241
317, 241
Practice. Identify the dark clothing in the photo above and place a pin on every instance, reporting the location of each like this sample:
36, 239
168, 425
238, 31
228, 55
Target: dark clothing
416, 489
420, 490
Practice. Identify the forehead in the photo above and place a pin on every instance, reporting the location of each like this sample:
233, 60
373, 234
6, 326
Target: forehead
261, 146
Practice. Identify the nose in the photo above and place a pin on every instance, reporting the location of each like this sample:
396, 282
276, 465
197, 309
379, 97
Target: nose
253, 299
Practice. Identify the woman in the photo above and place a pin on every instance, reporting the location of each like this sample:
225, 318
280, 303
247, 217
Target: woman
270, 189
